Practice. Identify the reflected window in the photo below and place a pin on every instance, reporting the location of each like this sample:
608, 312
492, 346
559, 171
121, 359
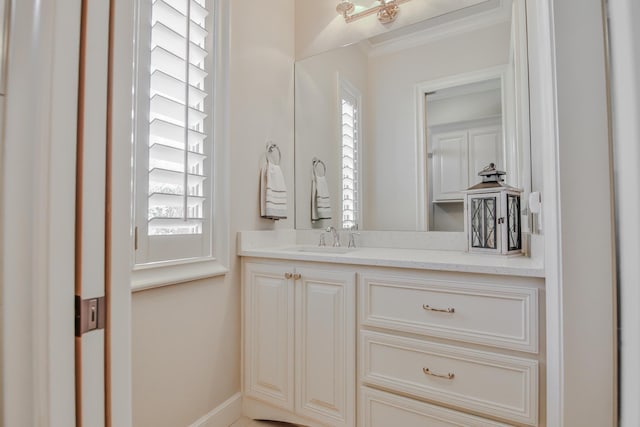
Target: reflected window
350, 100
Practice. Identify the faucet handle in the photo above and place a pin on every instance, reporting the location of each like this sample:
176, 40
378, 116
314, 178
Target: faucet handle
352, 236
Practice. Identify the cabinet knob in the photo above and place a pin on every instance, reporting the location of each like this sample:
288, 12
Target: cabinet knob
297, 276
288, 276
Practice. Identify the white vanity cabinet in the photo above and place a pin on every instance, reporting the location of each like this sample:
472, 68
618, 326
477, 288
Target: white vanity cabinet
299, 343
441, 346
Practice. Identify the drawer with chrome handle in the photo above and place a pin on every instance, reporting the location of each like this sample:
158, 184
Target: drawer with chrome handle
498, 316
381, 409
493, 384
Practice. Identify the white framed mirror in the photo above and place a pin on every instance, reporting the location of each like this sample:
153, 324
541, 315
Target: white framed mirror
377, 138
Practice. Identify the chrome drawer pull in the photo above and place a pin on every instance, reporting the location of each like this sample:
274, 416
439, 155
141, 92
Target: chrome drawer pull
439, 310
448, 376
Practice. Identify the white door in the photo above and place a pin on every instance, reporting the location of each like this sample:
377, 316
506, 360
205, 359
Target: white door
92, 215
450, 170
485, 147
325, 345
269, 333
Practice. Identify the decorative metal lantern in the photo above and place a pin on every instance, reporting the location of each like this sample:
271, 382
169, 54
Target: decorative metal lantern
492, 215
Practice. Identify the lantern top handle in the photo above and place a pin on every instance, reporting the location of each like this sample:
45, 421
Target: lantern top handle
491, 174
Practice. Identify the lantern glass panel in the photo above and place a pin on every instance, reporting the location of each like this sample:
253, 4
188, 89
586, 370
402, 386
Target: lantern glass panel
513, 222
483, 222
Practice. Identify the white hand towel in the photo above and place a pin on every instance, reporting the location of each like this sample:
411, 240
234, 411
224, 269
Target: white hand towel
273, 192
320, 201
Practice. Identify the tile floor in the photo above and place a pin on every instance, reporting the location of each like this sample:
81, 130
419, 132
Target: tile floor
246, 422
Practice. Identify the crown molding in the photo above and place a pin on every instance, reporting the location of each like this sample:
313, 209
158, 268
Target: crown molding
499, 12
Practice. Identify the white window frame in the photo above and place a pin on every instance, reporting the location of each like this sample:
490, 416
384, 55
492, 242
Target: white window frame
347, 89
183, 258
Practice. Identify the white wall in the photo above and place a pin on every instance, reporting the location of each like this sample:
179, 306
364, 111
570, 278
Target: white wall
318, 133
390, 155
473, 106
185, 355
186, 338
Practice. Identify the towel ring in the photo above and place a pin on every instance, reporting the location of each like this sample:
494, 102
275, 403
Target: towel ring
270, 147
317, 161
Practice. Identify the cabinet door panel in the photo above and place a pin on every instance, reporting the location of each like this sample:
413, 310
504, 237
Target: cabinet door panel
268, 340
485, 147
325, 346
449, 165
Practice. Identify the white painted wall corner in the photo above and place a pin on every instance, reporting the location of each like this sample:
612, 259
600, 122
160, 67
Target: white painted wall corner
224, 415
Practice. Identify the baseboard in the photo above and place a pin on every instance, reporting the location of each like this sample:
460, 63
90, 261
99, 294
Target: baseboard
224, 415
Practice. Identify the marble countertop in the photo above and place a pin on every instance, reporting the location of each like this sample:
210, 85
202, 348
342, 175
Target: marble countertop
423, 259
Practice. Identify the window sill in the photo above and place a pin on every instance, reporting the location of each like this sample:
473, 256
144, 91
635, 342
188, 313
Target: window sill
151, 276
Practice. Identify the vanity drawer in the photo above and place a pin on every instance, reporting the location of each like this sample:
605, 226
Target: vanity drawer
494, 315
380, 409
496, 385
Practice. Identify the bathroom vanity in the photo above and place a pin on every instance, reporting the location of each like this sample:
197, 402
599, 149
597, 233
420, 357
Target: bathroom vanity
401, 332
374, 337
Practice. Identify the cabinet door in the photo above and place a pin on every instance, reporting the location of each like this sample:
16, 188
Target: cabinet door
485, 147
325, 346
449, 165
268, 334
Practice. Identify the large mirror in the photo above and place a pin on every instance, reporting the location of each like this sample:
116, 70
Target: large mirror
389, 131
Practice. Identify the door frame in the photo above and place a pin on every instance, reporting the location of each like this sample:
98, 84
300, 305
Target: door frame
624, 66
422, 145
37, 204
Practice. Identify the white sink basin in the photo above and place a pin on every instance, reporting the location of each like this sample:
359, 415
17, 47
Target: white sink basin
323, 249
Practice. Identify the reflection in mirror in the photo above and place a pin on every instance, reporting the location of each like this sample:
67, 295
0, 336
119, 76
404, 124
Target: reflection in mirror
464, 133
404, 121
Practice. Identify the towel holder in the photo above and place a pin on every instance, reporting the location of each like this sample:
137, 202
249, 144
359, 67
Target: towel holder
316, 161
270, 150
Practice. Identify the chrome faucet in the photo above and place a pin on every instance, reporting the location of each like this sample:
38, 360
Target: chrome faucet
322, 243
336, 236
352, 236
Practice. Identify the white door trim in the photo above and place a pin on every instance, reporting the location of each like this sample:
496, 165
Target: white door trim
37, 210
38, 199
625, 68
542, 48
123, 18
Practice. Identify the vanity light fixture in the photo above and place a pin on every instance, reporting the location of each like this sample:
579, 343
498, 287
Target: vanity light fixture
387, 10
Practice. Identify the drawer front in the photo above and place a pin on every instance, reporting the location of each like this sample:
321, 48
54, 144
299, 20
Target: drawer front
498, 316
496, 385
380, 409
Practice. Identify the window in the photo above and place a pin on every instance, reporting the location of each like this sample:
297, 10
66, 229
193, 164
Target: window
350, 100
174, 130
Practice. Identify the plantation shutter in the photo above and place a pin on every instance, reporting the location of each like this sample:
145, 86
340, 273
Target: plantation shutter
177, 199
